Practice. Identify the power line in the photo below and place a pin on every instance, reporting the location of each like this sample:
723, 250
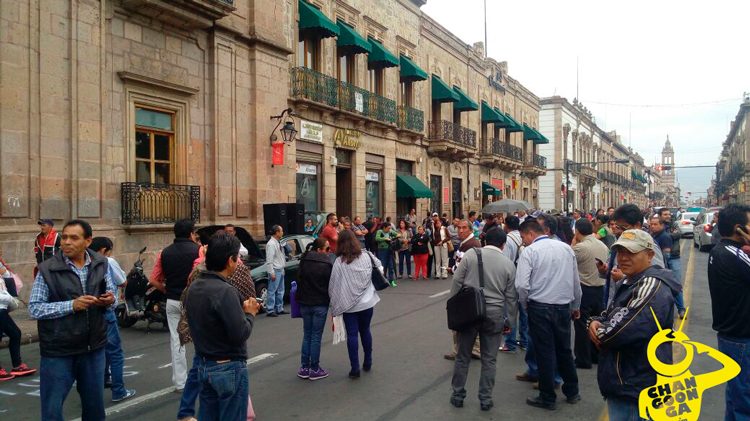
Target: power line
693, 104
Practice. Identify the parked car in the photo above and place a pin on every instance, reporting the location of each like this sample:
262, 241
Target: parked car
685, 223
294, 246
703, 229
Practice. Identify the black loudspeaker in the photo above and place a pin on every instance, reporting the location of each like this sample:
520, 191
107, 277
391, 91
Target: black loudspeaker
295, 213
291, 217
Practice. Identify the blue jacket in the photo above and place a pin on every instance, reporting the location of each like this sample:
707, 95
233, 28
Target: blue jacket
628, 325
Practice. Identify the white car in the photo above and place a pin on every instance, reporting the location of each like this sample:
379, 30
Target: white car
685, 223
702, 230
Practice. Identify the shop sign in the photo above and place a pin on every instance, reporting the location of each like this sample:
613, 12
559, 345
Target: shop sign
346, 138
359, 102
308, 169
498, 183
311, 131
372, 176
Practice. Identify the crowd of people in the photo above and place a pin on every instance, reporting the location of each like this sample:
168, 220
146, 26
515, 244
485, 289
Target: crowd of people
610, 279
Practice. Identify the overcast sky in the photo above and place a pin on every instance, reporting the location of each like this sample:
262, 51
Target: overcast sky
647, 69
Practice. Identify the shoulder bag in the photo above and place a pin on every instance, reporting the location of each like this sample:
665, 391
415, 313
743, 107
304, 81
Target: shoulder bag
183, 329
377, 277
468, 307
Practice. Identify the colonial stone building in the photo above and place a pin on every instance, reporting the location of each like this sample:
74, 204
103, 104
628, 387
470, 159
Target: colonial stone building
134, 113
733, 168
588, 165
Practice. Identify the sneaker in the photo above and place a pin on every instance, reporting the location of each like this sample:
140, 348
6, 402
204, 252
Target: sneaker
129, 393
681, 314
271, 315
303, 373
507, 350
318, 374
22, 370
4, 375
394, 284
354, 374
450, 356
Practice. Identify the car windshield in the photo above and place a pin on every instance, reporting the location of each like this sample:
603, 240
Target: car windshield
689, 215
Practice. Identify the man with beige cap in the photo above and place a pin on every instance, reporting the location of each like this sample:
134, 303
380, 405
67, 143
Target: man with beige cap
623, 331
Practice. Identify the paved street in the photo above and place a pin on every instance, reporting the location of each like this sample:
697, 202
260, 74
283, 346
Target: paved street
410, 379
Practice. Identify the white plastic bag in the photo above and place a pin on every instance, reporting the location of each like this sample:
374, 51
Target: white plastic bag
339, 330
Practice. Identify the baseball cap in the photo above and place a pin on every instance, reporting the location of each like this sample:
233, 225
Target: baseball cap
435, 214
45, 222
635, 241
536, 214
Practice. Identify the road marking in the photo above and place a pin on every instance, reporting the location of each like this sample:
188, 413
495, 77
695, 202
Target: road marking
2, 392
167, 390
166, 365
135, 357
28, 385
440, 294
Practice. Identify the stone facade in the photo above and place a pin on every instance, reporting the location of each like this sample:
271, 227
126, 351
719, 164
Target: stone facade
733, 168
594, 180
77, 78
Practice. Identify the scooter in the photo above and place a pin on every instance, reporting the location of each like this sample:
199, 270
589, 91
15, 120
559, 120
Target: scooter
139, 300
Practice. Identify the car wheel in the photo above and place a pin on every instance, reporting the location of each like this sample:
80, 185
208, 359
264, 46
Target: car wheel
261, 294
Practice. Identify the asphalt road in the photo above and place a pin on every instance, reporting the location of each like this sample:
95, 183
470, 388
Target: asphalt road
410, 380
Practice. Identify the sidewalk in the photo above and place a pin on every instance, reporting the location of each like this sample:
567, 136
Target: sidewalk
29, 332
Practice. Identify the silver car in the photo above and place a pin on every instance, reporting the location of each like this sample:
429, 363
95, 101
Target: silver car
685, 223
702, 230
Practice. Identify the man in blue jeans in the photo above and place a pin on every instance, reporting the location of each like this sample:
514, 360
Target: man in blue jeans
220, 324
275, 262
72, 325
673, 259
729, 284
114, 356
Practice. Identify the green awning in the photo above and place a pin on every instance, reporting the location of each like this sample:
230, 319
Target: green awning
492, 116
490, 190
410, 71
543, 139
411, 187
441, 92
379, 57
350, 41
514, 125
464, 102
312, 22
531, 134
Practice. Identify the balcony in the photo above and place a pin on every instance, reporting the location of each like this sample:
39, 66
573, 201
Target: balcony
506, 156
410, 119
184, 14
535, 165
451, 140
146, 203
310, 85
589, 173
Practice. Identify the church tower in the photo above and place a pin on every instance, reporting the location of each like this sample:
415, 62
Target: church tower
668, 175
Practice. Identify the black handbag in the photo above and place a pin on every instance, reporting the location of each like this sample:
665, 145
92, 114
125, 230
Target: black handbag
468, 307
377, 277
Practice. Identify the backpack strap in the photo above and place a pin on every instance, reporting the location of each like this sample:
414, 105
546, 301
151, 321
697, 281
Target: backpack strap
478, 250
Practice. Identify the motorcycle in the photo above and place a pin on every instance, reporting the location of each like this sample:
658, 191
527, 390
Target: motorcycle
139, 300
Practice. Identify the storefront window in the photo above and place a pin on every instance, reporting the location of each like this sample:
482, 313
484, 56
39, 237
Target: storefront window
373, 194
308, 186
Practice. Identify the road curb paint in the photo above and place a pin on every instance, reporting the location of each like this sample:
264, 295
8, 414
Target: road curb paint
440, 294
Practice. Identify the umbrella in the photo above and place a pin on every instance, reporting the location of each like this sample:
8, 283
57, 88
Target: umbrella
506, 206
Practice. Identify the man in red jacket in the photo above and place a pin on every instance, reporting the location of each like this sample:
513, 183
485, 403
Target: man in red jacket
47, 243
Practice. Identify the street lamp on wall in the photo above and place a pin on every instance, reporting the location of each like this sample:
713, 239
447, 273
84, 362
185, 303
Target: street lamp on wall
288, 133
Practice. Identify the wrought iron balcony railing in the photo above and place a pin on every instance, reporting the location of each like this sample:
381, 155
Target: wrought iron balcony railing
446, 130
410, 119
147, 203
323, 89
507, 150
539, 161
315, 86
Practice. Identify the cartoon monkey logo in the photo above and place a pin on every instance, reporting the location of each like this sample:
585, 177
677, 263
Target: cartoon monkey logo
677, 394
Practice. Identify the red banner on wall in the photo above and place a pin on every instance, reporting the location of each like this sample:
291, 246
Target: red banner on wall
498, 183
446, 195
278, 153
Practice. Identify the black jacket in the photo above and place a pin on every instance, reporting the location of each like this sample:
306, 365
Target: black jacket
177, 263
218, 325
416, 247
627, 327
729, 284
82, 331
314, 274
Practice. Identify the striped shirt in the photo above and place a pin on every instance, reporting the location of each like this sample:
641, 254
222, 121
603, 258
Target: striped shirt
39, 306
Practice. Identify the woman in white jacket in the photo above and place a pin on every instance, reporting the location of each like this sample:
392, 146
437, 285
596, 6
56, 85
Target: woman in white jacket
9, 328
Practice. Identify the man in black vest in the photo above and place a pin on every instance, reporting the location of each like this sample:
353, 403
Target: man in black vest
69, 298
171, 271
